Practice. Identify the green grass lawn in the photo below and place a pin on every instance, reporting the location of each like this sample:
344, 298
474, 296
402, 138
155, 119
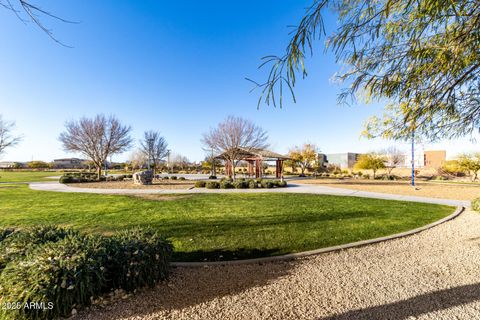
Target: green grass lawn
27, 176
223, 226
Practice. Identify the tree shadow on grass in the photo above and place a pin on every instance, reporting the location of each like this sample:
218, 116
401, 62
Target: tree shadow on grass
415, 306
223, 255
189, 286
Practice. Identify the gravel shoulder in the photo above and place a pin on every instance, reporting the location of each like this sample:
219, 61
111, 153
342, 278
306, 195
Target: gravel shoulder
430, 275
431, 190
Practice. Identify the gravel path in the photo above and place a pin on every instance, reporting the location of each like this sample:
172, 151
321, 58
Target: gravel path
431, 275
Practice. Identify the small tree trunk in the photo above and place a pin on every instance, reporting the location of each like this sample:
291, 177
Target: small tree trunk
389, 172
99, 172
303, 167
374, 173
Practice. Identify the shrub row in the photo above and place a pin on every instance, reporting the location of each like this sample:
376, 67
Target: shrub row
173, 178
66, 270
241, 184
79, 177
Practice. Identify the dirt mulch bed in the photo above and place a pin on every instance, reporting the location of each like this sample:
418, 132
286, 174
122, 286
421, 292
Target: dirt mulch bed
424, 189
163, 184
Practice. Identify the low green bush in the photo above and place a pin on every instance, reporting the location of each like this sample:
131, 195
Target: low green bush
62, 270
212, 185
226, 184
60, 275
19, 243
268, 184
173, 177
240, 184
165, 178
476, 204
212, 177
79, 177
181, 178
282, 184
200, 184
252, 184
67, 179
137, 258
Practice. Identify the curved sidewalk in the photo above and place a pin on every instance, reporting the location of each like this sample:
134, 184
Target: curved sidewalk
292, 188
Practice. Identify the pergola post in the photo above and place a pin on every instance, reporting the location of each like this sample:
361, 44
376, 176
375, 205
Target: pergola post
251, 170
258, 168
278, 169
228, 168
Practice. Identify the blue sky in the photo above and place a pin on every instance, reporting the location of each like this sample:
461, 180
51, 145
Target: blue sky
176, 67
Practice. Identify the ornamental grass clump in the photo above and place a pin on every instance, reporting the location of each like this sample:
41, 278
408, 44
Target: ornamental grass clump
50, 272
54, 278
18, 243
138, 258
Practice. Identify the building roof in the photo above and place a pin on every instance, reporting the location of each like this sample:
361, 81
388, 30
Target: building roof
70, 159
245, 153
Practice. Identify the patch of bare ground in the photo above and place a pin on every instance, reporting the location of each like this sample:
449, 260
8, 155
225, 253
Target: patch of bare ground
162, 184
423, 189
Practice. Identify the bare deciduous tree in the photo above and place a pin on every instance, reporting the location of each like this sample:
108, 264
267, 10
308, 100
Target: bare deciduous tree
33, 13
233, 137
137, 159
154, 146
394, 158
179, 161
7, 139
96, 138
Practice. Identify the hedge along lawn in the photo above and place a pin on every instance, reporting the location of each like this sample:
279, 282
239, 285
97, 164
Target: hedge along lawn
223, 226
27, 176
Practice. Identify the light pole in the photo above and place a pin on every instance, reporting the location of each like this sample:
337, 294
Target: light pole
168, 160
413, 159
150, 151
214, 170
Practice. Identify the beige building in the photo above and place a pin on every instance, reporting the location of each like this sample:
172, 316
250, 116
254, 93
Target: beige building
434, 158
69, 163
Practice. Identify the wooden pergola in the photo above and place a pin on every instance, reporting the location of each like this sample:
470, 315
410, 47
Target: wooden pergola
255, 159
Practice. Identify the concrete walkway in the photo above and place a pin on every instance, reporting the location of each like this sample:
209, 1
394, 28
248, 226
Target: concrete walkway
292, 188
